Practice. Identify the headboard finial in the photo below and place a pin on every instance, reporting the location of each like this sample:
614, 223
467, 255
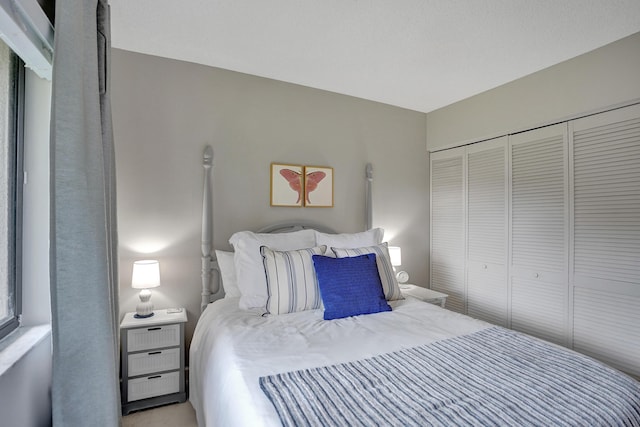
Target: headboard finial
207, 158
368, 200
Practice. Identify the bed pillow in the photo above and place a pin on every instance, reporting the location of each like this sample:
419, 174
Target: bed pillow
349, 286
291, 280
248, 261
228, 273
385, 269
349, 240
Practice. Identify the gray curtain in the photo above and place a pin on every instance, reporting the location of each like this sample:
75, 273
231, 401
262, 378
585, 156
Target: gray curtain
84, 298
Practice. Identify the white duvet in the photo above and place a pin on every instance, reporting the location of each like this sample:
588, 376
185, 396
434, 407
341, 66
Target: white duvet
232, 348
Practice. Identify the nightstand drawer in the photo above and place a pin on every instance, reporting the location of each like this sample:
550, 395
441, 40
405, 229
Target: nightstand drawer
154, 385
153, 361
153, 337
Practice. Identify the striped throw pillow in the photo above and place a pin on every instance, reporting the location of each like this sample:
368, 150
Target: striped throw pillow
385, 269
292, 284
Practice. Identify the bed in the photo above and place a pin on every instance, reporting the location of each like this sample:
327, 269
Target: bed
275, 352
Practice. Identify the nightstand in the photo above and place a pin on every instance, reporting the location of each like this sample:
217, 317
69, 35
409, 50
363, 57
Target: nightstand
153, 358
424, 294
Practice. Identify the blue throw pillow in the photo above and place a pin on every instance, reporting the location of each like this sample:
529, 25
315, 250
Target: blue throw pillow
349, 286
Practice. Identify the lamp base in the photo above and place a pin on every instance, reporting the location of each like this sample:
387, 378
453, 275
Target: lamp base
144, 308
143, 316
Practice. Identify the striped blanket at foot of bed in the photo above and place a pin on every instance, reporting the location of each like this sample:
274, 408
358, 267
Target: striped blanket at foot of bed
494, 377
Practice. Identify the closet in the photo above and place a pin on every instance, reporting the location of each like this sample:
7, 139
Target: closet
539, 231
487, 231
448, 237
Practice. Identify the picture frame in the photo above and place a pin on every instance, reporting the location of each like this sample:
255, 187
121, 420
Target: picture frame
287, 185
318, 186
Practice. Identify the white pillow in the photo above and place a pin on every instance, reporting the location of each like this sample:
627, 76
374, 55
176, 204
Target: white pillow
228, 273
249, 265
385, 269
349, 240
291, 280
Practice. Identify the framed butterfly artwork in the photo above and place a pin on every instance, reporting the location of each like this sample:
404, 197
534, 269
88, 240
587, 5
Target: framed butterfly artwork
318, 187
287, 185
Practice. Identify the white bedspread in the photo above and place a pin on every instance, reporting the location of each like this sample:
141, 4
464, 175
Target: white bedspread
231, 349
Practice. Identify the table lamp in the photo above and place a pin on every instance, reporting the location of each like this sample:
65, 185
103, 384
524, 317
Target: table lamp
146, 275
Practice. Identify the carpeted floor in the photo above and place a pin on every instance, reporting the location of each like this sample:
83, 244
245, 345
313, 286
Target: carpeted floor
178, 415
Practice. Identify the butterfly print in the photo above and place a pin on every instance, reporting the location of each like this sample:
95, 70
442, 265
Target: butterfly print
294, 179
311, 182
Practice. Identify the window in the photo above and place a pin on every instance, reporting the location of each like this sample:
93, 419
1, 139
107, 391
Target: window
11, 180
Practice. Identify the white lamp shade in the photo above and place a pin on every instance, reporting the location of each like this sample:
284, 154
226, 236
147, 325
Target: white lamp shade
395, 253
146, 274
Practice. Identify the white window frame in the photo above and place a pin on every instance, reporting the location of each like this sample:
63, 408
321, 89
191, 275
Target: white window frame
14, 186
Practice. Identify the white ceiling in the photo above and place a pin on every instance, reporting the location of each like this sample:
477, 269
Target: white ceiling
416, 54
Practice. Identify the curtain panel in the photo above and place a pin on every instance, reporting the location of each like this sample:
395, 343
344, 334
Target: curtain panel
83, 240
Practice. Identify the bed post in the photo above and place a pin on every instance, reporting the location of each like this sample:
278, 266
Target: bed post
368, 201
207, 228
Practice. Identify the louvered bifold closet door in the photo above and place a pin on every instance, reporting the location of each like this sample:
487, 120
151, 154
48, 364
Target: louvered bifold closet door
448, 226
606, 252
539, 233
487, 217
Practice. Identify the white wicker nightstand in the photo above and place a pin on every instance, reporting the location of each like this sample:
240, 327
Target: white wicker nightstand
153, 358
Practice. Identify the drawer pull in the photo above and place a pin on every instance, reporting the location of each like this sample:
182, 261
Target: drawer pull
154, 329
154, 377
154, 352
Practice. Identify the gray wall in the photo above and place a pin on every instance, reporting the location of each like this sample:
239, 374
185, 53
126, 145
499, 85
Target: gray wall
604, 77
25, 388
165, 111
